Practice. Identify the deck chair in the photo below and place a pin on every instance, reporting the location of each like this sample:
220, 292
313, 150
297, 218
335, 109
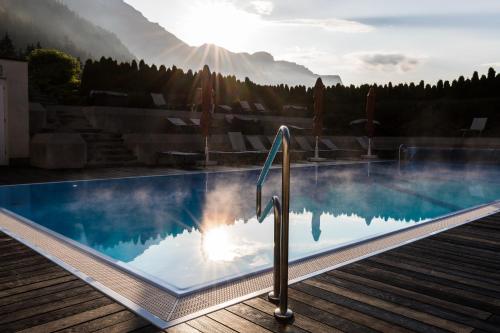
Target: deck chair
260, 107
237, 141
295, 153
363, 142
239, 153
303, 143
328, 143
177, 122
195, 121
256, 142
478, 125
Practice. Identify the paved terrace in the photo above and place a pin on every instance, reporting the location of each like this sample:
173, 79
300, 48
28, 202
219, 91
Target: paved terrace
449, 282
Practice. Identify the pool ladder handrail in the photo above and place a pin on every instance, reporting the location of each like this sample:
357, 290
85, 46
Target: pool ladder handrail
401, 147
279, 295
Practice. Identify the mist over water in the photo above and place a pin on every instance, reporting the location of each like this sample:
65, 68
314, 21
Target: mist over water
189, 230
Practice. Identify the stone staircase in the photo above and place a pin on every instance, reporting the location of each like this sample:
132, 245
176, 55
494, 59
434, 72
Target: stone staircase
103, 148
107, 149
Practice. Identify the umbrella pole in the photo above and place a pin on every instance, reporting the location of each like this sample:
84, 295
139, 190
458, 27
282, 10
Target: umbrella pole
206, 151
316, 150
369, 147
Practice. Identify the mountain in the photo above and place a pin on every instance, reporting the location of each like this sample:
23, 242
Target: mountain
151, 42
54, 25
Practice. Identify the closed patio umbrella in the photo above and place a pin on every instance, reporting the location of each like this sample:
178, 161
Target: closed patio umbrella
370, 113
206, 106
319, 101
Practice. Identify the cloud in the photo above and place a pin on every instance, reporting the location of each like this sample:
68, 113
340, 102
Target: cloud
491, 64
471, 20
259, 7
386, 62
337, 25
262, 7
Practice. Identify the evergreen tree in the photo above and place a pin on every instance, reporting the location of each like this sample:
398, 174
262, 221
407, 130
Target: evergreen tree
7, 49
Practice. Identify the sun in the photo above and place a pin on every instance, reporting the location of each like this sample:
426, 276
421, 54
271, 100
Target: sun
220, 23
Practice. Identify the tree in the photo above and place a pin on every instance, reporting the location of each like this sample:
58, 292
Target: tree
54, 73
7, 49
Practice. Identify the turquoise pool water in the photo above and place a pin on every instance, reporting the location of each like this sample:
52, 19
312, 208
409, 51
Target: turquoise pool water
188, 231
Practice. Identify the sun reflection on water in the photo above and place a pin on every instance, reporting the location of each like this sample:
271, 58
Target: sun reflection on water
217, 245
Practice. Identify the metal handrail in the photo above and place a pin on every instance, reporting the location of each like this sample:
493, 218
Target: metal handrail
281, 222
401, 146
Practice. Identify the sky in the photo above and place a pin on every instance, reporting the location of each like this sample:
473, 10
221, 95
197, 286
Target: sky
364, 41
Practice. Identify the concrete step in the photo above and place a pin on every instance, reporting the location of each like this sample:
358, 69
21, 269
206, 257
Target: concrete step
107, 164
101, 137
111, 158
96, 145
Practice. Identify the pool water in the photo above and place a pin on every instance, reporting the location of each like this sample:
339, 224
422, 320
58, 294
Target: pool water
188, 231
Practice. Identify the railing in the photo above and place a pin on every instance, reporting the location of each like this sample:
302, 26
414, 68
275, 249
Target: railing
401, 147
279, 295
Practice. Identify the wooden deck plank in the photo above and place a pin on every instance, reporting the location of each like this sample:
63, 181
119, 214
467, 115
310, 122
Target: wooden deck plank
207, 325
57, 325
300, 321
368, 309
235, 322
130, 325
340, 317
444, 291
46, 299
41, 292
390, 306
411, 295
440, 265
100, 323
451, 276
263, 319
485, 295
48, 307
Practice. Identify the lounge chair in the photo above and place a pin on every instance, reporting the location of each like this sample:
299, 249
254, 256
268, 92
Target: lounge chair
303, 143
382, 151
259, 107
245, 106
478, 125
256, 142
363, 142
295, 154
177, 122
195, 121
240, 153
328, 143
178, 125
158, 100
178, 158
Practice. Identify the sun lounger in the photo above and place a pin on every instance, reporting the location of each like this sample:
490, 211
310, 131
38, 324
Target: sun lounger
256, 142
178, 158
240, 153
363, 142
245, 106
259, 107
177, 122
294, 153
328, 143
303, 143
478, 125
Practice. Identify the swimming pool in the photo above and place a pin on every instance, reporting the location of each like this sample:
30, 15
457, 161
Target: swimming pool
186, 232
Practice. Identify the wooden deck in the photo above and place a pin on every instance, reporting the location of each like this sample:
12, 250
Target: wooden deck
446, 283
